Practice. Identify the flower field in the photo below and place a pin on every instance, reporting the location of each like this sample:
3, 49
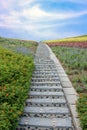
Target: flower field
69, 44
80, 41
74, 60
15, 76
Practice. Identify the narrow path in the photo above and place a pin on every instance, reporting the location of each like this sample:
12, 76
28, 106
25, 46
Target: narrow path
46, 108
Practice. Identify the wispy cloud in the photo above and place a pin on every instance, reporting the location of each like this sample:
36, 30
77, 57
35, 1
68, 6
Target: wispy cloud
31, 16
36, 14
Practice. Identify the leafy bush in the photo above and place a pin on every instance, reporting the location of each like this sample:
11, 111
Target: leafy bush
15, 76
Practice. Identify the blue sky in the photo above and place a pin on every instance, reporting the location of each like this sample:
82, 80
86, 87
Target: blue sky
43, 19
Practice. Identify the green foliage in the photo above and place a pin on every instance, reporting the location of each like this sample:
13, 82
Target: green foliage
15, 76
74, 61
20, 46
74, 58
82, 110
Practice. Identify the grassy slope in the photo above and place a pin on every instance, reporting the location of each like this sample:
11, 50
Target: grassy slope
71, 39
16, 69
74, 60
14, 44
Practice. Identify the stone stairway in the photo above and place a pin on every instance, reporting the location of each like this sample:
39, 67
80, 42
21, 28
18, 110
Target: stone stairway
46, 108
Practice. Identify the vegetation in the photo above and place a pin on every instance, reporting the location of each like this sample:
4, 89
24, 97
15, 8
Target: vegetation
80, 42
74, 61
15, 77
71, 39
19, 46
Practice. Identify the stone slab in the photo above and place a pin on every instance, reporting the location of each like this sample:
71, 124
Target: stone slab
69, 91
66, 84
46, 93
64, 79
47, 110
72, 99
46, 101
73, 111
46, 122
77, 124
47, 87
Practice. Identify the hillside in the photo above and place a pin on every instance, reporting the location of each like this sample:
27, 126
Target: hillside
80, 41
19, 46
16, 68
70, 39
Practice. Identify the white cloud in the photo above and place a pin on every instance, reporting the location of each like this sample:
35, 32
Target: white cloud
36, 13
36, 18
30, 17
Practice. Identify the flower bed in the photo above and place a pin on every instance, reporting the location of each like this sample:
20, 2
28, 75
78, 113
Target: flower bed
69, 44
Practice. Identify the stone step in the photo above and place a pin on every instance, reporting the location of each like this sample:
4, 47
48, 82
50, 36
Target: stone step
44, 75
44, 61
46, 72
47, 110
45, 69
46, 78
47, 87
45, 90
45, 83
40, 64
35, 94
46, 102
45, 66
36, 123
46, 96
46, 93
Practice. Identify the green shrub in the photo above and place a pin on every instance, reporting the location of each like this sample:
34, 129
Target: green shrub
15, 77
